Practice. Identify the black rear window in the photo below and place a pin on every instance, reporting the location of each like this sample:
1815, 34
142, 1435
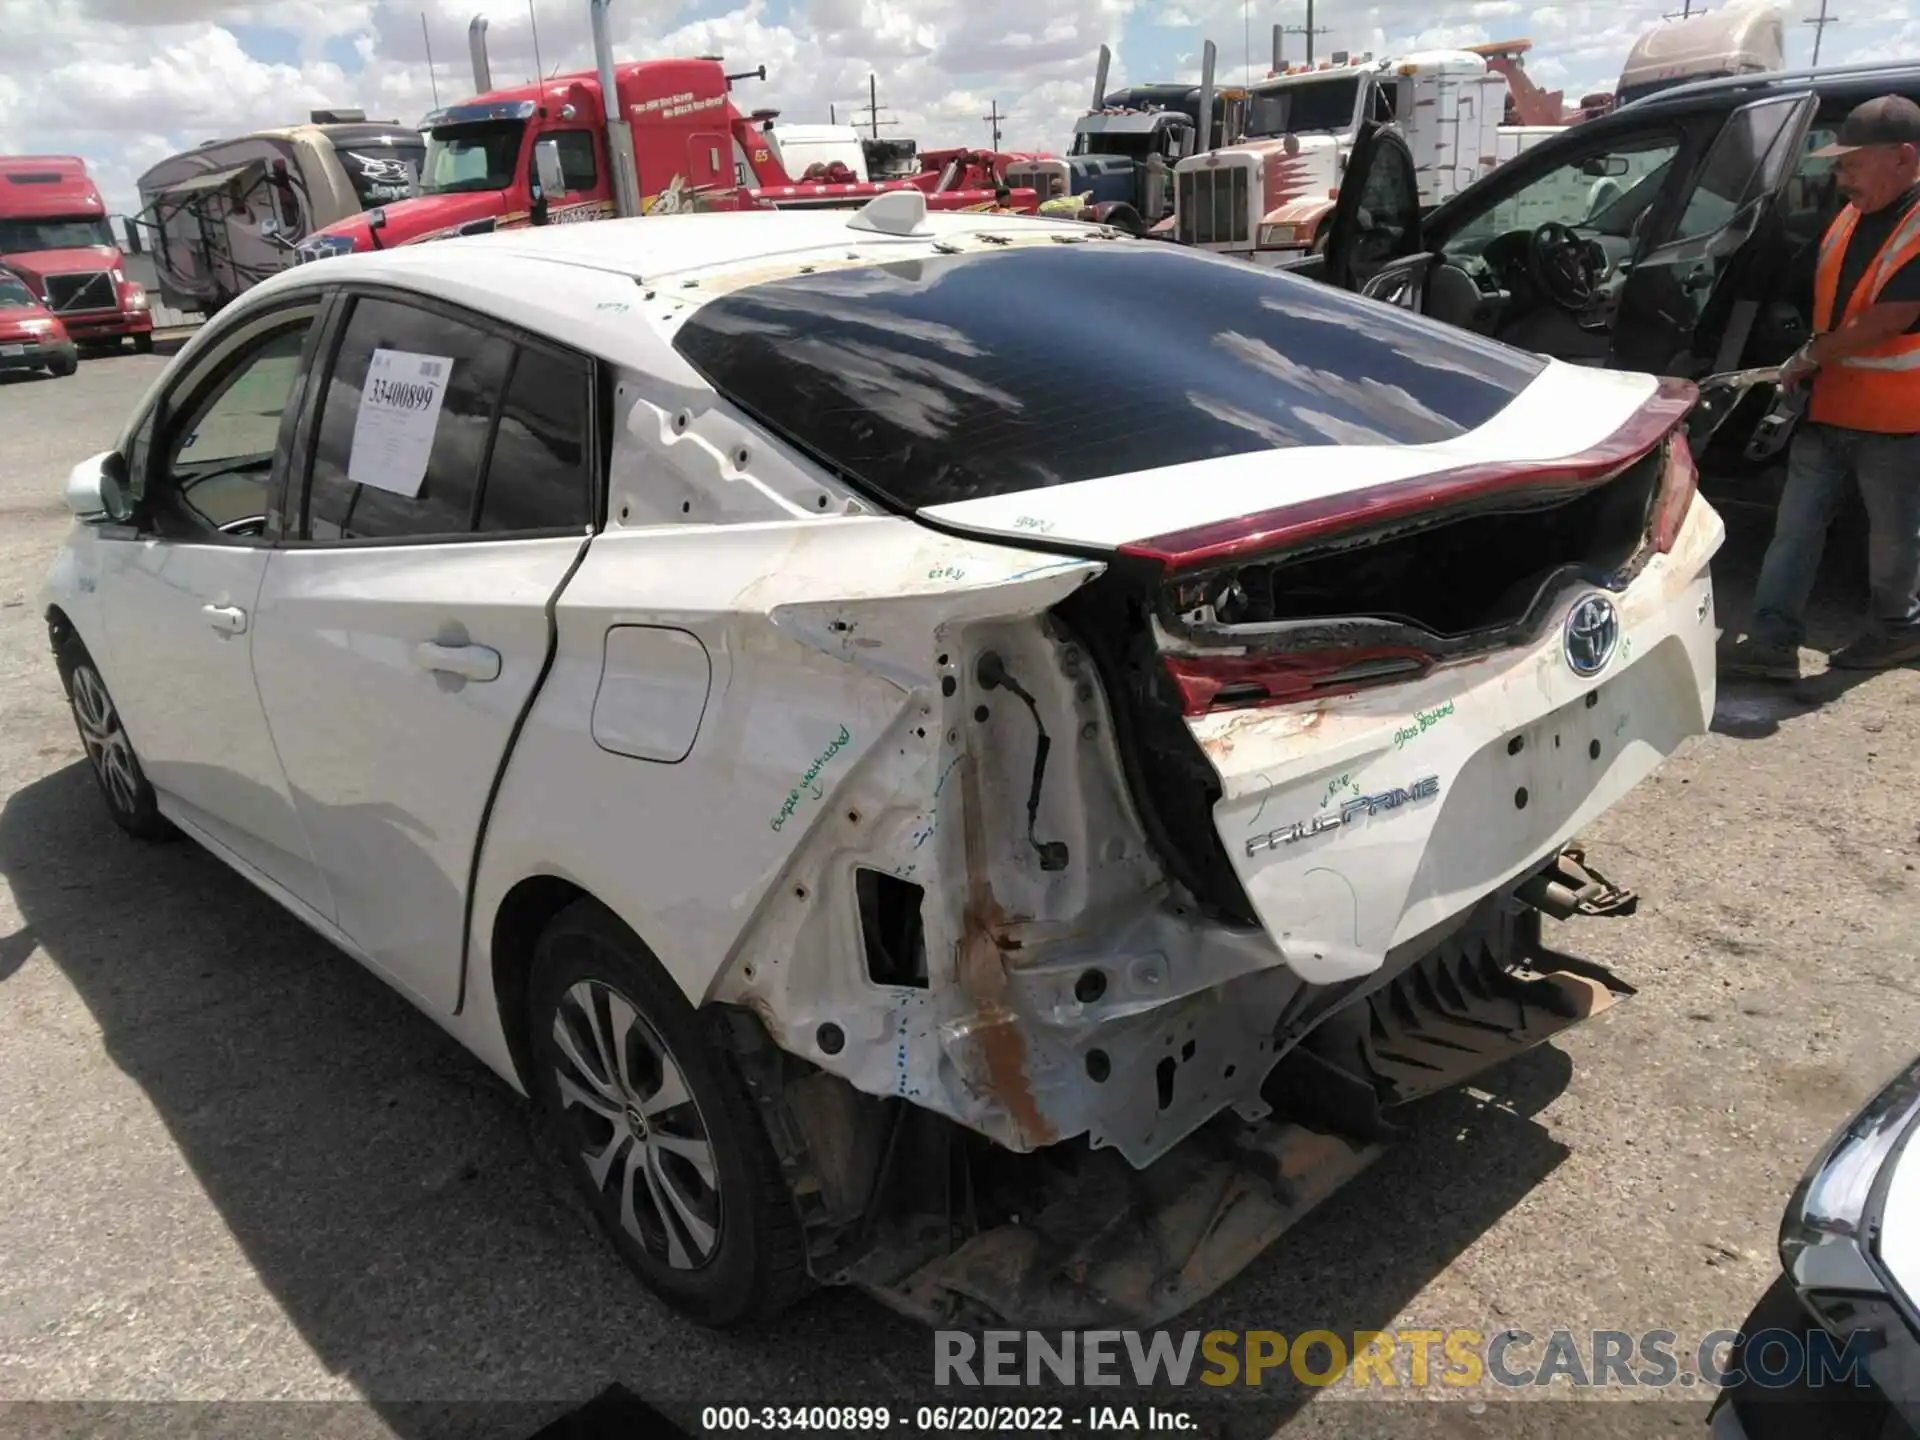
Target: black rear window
932, 381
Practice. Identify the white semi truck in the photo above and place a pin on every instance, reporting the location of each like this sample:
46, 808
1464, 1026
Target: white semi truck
1272, 196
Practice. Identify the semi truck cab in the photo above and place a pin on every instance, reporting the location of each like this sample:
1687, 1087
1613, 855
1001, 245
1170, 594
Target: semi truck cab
538, 155
54, 235
1273, 194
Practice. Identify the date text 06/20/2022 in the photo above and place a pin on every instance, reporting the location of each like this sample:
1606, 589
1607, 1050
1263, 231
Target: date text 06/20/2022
946, 1419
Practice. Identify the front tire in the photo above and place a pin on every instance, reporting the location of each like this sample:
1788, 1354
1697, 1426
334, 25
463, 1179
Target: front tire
63, 366
657, 1127
143, 344
110, 754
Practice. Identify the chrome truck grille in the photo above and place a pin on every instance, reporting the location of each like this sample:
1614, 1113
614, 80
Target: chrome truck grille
67, 294
1212, 205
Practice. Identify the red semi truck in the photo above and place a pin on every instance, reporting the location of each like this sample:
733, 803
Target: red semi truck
54, 234
549, 153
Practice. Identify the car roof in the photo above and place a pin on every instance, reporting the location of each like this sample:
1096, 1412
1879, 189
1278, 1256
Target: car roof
1837, 81
586, 285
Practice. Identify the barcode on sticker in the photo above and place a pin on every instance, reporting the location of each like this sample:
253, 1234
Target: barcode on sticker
430, 369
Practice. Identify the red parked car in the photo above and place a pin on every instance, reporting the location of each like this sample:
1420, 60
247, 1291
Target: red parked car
31, 337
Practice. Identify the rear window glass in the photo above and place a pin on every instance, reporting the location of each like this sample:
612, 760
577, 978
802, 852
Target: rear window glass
933, 381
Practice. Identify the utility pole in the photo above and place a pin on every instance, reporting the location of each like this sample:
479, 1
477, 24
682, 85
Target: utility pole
993, 124
1820, 23
1309, 30
873, 110
431, 77
1686, 12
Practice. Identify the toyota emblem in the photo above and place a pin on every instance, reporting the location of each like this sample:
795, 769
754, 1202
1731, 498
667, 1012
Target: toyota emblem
1593, 630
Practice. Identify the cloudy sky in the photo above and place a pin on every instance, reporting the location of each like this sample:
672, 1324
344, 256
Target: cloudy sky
128, 82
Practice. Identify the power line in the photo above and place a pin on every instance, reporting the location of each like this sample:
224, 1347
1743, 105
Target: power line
1820, 23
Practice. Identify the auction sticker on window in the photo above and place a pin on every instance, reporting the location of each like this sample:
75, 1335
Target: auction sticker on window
399, 412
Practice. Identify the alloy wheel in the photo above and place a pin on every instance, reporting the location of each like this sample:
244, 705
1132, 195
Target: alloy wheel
641, 1135
108, 749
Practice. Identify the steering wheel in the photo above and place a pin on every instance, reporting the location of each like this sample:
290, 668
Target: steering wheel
1558, 262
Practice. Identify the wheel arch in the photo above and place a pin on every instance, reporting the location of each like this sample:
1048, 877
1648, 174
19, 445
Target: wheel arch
524, 911
61, 632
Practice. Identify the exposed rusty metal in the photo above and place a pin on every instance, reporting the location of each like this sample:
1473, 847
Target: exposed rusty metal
995, 1029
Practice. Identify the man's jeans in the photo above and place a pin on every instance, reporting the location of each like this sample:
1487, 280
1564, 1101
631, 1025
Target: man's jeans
1823, 459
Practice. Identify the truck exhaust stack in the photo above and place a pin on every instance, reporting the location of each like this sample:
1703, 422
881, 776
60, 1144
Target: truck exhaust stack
1205, 142
626, 183
1279, 46
477, 49
1100, 79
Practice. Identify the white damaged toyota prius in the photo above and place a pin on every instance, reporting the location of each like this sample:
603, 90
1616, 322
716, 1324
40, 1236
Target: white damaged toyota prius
970, 756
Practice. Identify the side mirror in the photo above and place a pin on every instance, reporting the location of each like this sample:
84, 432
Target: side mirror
97, 489
269, 227
546, 168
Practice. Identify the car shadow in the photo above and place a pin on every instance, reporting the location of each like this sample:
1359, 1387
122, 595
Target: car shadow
391, 1193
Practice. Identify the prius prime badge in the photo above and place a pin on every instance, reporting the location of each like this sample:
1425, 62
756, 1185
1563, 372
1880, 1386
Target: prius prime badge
1593, 630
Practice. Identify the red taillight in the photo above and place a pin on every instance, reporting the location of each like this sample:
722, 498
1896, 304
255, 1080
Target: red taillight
1679, 483
1225, 682
1290, 525
1231, 680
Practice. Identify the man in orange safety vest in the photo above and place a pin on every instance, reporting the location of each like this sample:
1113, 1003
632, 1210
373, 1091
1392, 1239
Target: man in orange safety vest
1863, 418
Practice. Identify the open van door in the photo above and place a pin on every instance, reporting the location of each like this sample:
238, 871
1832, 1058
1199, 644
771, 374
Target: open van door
1374, 243
1657, 325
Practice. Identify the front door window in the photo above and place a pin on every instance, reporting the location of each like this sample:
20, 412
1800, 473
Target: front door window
1606, 194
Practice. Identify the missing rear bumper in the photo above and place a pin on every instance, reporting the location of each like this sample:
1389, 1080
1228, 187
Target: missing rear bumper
1115, 1246
957, 1231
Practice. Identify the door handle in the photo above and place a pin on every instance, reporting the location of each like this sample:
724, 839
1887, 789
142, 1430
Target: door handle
227, 619
470, 662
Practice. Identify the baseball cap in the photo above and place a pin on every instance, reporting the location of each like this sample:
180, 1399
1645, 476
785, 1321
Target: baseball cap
1890, 120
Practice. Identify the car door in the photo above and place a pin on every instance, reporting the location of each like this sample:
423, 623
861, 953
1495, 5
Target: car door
179, 590
1660, 307
1375, 232
404, 629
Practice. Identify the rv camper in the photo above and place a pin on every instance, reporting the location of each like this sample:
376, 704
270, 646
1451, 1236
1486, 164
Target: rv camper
1735, 40
225, 216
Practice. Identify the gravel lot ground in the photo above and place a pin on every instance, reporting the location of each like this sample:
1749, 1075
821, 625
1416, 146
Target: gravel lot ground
234, 1167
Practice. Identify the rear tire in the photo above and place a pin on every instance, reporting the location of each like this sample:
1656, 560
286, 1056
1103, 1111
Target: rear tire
657, 1127
110, 754
143, 344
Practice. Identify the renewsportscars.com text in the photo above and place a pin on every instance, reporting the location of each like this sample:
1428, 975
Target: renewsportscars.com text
1404, 1359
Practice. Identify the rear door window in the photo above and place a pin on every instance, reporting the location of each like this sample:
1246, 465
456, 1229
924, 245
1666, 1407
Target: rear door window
933, 381
480, 432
